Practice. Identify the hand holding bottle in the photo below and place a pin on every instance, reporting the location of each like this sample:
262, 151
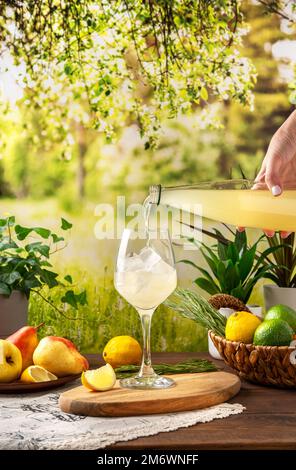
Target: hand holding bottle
278, 170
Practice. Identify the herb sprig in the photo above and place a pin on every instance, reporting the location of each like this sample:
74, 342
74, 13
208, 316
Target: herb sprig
191, 366
193, 306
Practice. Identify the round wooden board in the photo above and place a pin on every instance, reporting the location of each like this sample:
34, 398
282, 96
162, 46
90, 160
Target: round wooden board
19, 387
191, 392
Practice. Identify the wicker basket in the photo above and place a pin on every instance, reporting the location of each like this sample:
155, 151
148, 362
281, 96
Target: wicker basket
266, 365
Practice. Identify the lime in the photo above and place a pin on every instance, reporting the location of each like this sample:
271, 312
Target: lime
274, 332
283, 312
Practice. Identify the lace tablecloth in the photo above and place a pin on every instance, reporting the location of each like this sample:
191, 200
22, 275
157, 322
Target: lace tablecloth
35, 421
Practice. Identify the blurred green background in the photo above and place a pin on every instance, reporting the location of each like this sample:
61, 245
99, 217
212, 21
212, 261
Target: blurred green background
39, 187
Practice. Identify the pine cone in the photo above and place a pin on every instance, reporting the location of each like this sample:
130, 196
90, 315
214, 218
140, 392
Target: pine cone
227, 301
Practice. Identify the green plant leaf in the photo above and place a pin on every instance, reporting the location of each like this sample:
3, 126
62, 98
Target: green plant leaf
10, 278
284, 255
26, 263
221, 269
4, 289
265, 254
46, 263
231, 277
81, 298
75, 299
43, 232
56, 238
38, 247
206, 275
246, 262
260, 274
68, 278
222, 251
70, 298
210, 252
32, 283
6, 245
271, 276
65, 224
219, 236
206, 285
239, 292
22, 232
212, 259
232, 253
188, 261
240, 240
48, 277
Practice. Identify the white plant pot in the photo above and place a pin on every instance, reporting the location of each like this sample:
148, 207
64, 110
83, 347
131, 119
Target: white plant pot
226, 312
256, 310
213, 351
274, 295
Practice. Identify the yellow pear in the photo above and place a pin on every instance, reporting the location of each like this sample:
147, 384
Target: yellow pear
26, 340
59, 356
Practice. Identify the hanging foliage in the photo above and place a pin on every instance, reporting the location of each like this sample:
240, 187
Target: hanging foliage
105, 63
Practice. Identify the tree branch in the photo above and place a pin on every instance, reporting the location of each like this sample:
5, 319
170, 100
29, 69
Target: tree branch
272, 9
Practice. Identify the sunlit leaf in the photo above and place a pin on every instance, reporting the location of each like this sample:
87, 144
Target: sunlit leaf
65, 224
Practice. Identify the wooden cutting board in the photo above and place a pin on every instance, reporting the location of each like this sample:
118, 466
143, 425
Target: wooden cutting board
191, 392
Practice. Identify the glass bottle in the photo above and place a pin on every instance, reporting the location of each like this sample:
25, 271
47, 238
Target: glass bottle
232, 202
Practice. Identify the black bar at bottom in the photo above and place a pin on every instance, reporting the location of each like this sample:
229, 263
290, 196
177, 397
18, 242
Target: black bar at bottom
141, 458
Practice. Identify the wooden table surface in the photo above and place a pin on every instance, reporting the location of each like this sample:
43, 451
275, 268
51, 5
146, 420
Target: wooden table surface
269, 421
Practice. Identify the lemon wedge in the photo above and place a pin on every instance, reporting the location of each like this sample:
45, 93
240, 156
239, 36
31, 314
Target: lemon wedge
35, 374
99, 380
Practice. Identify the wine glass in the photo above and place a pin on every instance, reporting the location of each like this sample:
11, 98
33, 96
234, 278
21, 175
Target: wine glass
145, 276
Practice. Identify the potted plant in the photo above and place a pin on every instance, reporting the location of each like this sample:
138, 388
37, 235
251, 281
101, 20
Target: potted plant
234, 266
25, 268
283, 291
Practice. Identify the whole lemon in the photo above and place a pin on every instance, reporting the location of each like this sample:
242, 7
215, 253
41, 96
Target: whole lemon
241, 327
122, 350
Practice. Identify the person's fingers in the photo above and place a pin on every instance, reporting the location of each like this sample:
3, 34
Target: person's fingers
285, 234
272, 177
269, 233
281, 150
260, 178
258, 185
259, 182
